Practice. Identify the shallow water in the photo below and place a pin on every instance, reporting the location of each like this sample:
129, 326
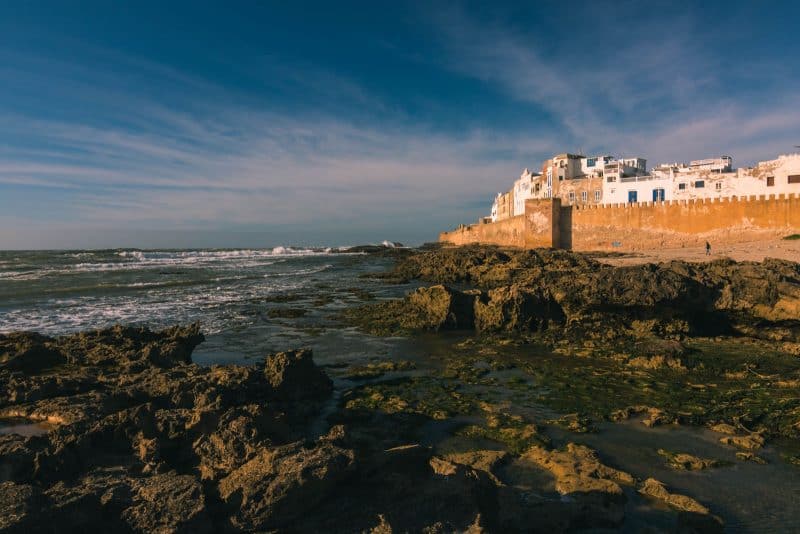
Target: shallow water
24, 427
750, 497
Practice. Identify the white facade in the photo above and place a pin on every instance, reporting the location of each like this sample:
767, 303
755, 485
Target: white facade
524, 188
711, 178
625, 180
595, 165
646, 188
616, 169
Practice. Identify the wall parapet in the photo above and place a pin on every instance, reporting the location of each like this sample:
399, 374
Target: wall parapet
688, 202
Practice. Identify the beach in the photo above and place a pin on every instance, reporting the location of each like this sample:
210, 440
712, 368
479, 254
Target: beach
753, 251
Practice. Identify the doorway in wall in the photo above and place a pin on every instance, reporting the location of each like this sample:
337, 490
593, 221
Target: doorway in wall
632, 196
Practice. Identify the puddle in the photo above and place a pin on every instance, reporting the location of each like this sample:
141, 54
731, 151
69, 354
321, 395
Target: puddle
24, 427
748, 496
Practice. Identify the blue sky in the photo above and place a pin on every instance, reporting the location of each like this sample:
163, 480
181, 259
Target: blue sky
258, 124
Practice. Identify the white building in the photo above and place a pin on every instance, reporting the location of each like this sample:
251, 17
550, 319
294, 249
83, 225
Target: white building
709, 178
720, 164
595, 165
525, 187
626, 180
646, 188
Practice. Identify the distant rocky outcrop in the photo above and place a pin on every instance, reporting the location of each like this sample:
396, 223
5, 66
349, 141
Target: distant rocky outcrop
568, 295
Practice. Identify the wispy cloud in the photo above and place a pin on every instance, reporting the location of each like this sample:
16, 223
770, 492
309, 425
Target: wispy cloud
658, 90
228, 164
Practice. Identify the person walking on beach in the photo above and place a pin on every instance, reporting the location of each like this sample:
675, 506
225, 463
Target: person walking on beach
708, 248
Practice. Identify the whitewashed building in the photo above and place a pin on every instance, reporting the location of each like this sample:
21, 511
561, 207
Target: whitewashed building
705, 179
604, 179
526, 187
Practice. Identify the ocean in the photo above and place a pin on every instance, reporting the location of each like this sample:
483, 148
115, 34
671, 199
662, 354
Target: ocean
248, 301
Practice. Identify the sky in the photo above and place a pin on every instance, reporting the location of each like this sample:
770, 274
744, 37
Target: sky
254, 124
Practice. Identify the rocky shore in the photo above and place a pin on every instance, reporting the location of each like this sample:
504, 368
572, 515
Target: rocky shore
135, 437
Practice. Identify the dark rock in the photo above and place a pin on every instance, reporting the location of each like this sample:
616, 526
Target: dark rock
535, 287
240, 434
281, 484
20, 508
28, 352
167, 503
293, 376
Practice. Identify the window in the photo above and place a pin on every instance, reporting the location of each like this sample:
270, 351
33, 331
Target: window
572, 196
770, 181
699, 184
584, 196
681, 186
597, 195
718, 186
611, 179
632, 196
658, 195
590, 162
794, 178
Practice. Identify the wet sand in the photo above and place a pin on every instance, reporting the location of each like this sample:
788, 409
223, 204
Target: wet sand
753, 251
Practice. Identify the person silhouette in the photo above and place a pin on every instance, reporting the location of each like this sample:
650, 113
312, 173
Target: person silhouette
708, 248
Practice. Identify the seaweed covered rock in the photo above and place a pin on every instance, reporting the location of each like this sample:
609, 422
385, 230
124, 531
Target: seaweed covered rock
434, 308
516, 308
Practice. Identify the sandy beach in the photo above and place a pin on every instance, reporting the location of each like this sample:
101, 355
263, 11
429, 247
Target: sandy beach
753, 251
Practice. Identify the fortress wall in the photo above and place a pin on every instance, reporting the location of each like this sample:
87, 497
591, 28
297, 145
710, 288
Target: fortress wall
642, 226
683, 223
539, 227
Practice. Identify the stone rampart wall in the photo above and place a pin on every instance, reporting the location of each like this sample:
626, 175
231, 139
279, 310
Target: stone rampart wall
539, 227
642, 226
684, 223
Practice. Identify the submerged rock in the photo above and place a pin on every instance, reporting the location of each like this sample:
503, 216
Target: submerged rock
688, 462
750, 442
578, 469
653, 488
